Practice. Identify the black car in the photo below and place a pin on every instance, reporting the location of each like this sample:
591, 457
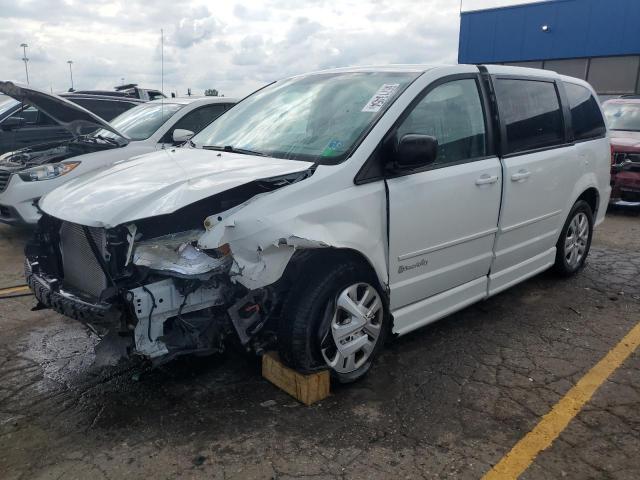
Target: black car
22, 125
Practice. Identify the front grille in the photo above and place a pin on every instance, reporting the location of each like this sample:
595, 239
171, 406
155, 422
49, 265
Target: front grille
82, 271
5, 176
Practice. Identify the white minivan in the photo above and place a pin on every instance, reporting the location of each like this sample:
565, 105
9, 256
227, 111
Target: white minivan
327, 211
29, 173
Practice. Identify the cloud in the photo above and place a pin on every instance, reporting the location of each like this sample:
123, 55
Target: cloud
251, 14
231, 46
302, 30
251, 51
195, 27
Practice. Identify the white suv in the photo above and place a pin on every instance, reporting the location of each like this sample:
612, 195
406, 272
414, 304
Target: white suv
328, 210
29, 173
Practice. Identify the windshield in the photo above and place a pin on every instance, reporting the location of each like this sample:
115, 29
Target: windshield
623, 116
317, 117
6, 105
142, 121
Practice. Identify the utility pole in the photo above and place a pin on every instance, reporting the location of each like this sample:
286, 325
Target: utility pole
162, 60
70, 62
25, 60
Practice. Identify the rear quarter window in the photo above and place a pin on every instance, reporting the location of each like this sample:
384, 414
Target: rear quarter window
531, 114
586, 118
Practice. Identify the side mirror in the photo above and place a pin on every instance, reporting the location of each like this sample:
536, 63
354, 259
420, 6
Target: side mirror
414, 151
12, 122
180, 135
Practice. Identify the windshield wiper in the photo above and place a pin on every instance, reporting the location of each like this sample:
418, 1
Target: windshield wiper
107, 139
232, 149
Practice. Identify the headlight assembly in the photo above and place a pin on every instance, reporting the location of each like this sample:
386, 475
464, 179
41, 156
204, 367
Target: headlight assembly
47, 172
174, 256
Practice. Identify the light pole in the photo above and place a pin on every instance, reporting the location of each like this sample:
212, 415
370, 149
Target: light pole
70, 62
25, 60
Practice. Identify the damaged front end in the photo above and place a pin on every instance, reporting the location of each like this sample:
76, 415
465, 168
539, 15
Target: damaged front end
148, 290
45, 160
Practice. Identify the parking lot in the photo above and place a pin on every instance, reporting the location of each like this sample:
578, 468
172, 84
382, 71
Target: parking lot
447, 401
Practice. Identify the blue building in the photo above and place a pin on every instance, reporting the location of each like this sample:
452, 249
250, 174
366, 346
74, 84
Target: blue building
596, 40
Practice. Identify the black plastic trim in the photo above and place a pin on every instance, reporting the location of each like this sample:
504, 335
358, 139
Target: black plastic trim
536, 150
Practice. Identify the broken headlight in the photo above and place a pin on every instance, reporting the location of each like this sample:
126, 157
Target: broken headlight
47, 172
178, 255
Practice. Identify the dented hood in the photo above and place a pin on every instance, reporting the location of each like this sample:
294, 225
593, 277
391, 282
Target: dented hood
69, 115
158, 183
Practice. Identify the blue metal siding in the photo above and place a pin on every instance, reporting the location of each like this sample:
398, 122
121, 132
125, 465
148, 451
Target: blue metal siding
578, 28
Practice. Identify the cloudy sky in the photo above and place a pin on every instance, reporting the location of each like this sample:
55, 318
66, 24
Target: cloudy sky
234, 46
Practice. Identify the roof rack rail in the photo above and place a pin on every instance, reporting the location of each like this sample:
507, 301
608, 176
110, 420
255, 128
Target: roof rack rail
631, 95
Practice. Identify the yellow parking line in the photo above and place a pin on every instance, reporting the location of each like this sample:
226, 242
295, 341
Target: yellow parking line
11, 290
553, 423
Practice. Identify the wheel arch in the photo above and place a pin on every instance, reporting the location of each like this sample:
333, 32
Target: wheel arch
585, 189
592, 197
317, 258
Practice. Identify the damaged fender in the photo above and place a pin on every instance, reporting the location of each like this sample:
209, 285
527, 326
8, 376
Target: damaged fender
265, 232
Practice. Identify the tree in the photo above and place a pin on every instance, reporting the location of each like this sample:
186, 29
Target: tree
211, 92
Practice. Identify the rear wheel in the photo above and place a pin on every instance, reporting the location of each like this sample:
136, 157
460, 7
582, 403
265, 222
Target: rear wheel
337, 320
575, 240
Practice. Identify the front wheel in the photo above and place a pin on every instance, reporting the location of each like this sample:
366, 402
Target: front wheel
337, 320
575, 240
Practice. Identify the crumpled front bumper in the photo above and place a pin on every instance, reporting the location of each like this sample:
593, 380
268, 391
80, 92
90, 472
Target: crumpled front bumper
625, 185
50, 294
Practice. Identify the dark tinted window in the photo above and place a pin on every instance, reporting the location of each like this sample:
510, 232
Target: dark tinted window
33, 116
200, 118
530, 109
196, 120
586, 119
105, 109
452, 113
154, 94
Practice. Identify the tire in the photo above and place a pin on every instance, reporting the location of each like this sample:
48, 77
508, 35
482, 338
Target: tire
575, 240
306, 339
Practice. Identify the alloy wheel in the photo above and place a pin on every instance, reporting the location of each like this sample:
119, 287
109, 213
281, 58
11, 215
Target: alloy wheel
576, 240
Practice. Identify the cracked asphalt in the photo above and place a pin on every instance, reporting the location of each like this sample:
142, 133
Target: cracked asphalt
447, 401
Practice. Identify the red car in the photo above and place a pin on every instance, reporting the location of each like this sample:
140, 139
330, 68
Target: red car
623, 116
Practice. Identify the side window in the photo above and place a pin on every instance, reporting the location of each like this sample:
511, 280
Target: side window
30, 115
196, 120
105, 109
34, 117
452, 113
154, 95
531, 112
586, 118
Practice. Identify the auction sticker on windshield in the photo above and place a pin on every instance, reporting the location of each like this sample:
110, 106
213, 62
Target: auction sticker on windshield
384, 93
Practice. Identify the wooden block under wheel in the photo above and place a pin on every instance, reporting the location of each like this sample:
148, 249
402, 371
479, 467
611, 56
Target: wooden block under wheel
307, 389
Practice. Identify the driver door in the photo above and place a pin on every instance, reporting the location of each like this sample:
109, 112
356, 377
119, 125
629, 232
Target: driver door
443, 218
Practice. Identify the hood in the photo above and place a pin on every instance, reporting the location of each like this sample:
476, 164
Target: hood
69, 115
625, 140
158, 183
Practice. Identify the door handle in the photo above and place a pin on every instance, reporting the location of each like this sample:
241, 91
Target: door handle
486, 179
521, 175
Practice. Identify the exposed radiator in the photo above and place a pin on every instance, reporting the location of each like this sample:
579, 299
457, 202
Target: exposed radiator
81, 268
